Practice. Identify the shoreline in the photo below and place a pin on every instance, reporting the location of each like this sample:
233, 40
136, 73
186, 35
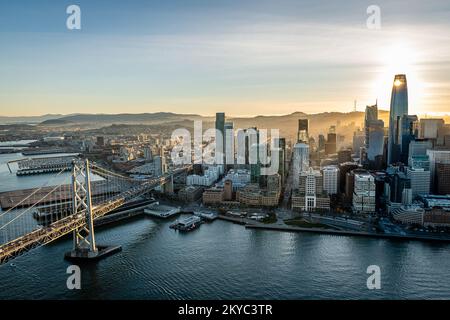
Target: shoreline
344, 232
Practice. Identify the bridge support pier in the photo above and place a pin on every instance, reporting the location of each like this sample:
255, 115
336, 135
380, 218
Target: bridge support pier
168, 186
84, 245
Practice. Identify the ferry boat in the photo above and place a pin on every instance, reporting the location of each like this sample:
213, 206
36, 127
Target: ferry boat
187, 224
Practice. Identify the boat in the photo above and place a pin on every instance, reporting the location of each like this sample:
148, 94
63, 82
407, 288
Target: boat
187, 224
210, 216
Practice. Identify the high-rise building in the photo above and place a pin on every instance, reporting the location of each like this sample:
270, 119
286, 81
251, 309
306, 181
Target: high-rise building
330, 145
359, 138
399, 108
228, 190
417, 154
281, 144
302, 133
274, 183
246, 138
300, 161
443, 178
310, 195
420, 180
396, 182
330, 179
374, 133
345, 168
148, 156
437, 156
409, 131
220, 142
419, 147
429, 128
344, 156
229, 143
255, 168
420, 162
363, 192
443, 136
321, 145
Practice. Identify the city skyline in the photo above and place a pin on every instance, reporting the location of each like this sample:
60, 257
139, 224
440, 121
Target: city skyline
236, 56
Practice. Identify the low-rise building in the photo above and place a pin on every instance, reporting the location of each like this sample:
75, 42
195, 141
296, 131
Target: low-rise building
190, 193
213, 196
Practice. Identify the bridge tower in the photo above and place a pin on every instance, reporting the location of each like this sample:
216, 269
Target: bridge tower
168, 186
84, 245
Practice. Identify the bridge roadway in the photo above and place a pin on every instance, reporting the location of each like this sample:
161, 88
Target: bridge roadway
70, 223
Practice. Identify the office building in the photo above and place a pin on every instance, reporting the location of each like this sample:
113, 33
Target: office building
300, 161
443, 178
302, 133
220, 141
330, 179
437, 156
228, 190
344, 156
374, 133
363, 192
398, 108
281, 144
310, 195
429, 128
330, 145
229, 143
420, 180
409, 132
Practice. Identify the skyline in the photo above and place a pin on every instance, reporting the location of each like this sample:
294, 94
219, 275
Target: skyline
243, 57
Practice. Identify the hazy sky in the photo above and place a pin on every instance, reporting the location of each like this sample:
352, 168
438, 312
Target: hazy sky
244, 57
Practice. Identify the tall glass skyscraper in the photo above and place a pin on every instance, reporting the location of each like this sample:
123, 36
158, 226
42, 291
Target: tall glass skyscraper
399, 108
374, 133
220, 142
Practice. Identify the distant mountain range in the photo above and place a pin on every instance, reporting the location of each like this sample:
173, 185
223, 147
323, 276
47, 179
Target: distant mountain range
319, 123
31, 119
54, 119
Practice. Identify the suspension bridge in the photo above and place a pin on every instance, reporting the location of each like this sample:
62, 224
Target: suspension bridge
39, 216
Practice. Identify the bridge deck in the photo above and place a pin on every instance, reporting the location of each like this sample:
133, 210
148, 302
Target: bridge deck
10, 199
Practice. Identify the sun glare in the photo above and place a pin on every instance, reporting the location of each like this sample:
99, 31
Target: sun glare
398, 59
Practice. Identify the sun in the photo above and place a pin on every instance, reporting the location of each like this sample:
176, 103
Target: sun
400, 58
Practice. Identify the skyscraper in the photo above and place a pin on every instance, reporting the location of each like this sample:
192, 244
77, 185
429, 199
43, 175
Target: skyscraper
220, 142
330, 145
281, 143
437, 156
399, 107
300, 162
374, 133
363, 192
302, 133
331, 179
408, 132
228, 140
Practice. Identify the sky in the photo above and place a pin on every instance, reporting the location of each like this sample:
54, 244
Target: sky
243, 57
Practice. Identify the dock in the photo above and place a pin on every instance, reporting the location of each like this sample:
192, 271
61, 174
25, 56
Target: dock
187, 224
